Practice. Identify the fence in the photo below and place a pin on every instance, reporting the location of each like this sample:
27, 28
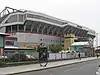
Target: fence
20, 55
57, 56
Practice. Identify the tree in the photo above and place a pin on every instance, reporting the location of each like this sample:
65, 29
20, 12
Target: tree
55, 48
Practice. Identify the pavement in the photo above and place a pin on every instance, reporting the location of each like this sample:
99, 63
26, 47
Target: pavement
84, 68
36, 67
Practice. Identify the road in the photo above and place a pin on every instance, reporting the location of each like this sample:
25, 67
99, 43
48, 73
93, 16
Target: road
85, 68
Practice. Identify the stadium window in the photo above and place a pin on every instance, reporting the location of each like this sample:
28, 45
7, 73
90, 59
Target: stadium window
8, 29
21, 17
9, 43
28, 28
14, 28
24, 17
12, 18
21, 27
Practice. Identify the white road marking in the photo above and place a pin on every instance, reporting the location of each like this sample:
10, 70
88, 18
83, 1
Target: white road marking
72, 69
69, 69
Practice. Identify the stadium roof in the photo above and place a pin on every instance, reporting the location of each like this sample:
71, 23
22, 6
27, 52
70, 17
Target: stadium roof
37, 16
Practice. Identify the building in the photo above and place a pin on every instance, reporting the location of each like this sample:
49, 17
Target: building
2, 43
82, 47
28, 28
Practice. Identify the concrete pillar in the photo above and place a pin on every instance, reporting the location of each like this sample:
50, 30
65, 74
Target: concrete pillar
1, 51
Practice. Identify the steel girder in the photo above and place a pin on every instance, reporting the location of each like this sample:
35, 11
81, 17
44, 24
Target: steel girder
72, 30
32, 26
45, 31
44, 28
48, 31
28, 25
56, 30
25, 27
83, 33
75, 32
79, 33
67, 30
38, 27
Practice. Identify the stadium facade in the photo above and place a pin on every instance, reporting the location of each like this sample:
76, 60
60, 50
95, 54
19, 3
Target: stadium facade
28, 28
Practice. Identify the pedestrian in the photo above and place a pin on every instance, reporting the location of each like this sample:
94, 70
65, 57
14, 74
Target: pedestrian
97, 55
79, 55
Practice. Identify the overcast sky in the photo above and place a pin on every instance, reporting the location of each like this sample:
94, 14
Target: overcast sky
82, 12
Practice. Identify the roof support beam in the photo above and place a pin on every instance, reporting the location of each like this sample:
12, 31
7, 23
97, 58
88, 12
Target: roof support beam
49, 29
39, 26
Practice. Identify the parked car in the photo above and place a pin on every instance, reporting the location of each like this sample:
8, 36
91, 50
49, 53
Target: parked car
98, 71
1, 57
30, 56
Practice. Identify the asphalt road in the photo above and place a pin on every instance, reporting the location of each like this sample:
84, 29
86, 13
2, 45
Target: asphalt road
85, 68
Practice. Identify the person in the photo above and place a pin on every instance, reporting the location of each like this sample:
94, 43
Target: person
97, 55
79, 55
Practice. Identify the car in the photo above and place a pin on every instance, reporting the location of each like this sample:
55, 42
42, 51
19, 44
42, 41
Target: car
98, 71
30, 56
1, 57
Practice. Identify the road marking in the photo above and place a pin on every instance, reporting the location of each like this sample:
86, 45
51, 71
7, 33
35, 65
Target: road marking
69, 69
73, 69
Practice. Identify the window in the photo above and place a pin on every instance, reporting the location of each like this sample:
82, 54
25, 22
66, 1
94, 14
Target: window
12, 18
21, 17
28, 28
14, 28
21, 27
10, 43
24, 16
1, 42
8, 29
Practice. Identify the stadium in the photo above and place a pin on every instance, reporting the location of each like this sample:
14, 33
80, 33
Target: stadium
29, 28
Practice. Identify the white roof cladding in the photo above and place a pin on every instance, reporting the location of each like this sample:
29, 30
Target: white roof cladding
41, 14
63, 22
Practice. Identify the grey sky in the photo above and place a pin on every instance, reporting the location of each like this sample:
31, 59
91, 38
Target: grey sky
82, 12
